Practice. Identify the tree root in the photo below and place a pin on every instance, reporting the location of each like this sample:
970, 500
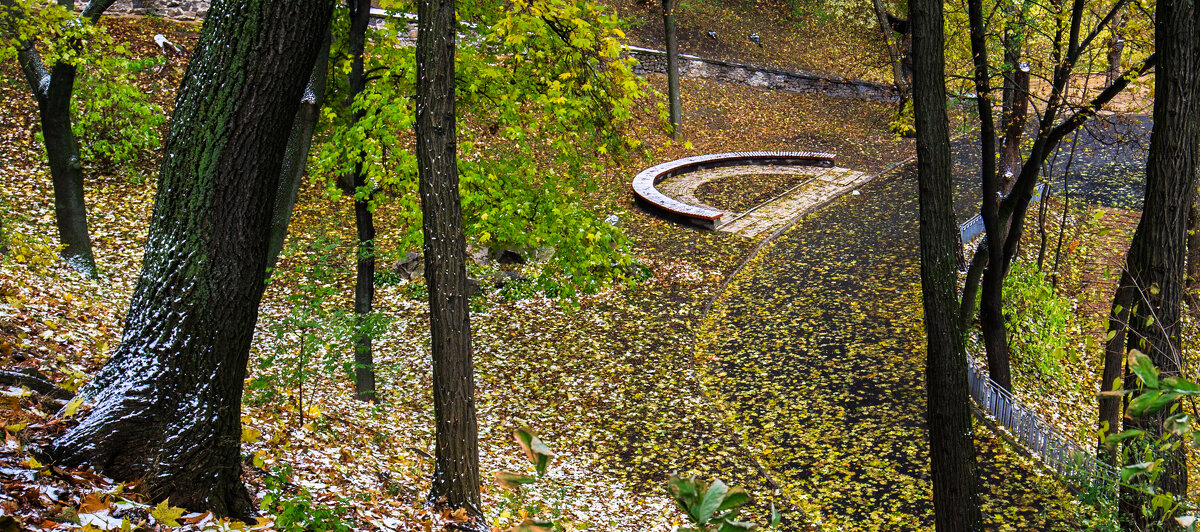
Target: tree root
35, 383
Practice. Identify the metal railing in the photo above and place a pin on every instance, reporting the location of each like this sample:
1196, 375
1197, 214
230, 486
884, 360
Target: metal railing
1051, 446
973, 228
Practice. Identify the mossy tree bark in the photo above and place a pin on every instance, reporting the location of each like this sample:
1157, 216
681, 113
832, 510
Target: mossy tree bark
951, 447
166, 406
456, 470
1157, 256
53, 90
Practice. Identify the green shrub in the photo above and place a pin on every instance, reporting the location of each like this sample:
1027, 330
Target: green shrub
118, 126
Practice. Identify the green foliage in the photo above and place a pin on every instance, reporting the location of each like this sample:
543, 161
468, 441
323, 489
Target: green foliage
903, 123
116, 123
303, 342
299, 511
1040, 322
1143, 455
540, 514
544, 96
53, 30
712, 507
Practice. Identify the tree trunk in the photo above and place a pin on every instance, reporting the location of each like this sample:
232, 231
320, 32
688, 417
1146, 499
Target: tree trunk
676, 103
1114, 363
1157, 254
364, 219
167, 404
53, 91
951, 448
1116, 46
66, 170
898, 78
456, 474
299, 144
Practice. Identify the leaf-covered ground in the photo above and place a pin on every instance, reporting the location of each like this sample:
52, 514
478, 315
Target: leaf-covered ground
839, 39
613, 386
742, 192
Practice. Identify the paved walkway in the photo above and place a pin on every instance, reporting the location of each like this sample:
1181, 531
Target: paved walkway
825, 184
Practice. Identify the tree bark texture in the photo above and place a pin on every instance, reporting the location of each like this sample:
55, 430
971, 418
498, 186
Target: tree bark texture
1156, 258
296, 157
951, 447
364, 218
166, 406
676, 103
456, 474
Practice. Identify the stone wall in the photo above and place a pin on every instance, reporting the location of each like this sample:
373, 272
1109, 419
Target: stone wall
764, 77
172, 9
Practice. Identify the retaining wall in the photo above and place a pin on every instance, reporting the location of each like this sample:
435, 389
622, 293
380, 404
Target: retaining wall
172, 9
691, 66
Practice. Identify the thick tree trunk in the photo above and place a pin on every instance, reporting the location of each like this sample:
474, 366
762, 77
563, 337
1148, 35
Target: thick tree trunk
951, 448
675, 102
456, 474
299, 144
167, 404
1157, 254
364, 219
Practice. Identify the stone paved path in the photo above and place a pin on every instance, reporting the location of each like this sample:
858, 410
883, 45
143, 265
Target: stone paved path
825, 185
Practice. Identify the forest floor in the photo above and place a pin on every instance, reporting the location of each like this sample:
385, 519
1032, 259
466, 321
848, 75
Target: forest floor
606, 384
609, 384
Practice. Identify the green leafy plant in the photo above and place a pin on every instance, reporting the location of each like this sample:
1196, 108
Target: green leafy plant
1040, 322
712, 507
515, 503
1142, 454
118, 126
306, 342
903, 123
295, 509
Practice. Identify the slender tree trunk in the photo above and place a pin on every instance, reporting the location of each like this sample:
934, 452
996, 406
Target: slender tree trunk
1156, 258
299, 144
1114, 360
676, 103
167, 405
364, 219
898, 78
970, 294
456, 453
1042, 236
991, 312
66, 170
951, 448
53, 91
1116, 46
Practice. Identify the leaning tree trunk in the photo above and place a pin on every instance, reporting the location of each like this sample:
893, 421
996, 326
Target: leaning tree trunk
298, 146
1156, 258
166, 406
456, 464
364, 218
951, 448
671, 29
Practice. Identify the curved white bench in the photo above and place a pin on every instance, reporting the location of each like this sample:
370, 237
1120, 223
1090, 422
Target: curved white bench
648, 196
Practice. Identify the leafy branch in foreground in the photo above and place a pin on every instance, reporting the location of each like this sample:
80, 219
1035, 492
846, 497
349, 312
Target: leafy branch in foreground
712, 507
1143, 456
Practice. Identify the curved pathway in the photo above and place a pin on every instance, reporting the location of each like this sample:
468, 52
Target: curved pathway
816, 352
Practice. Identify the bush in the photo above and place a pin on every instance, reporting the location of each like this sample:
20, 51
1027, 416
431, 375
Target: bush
116, 123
